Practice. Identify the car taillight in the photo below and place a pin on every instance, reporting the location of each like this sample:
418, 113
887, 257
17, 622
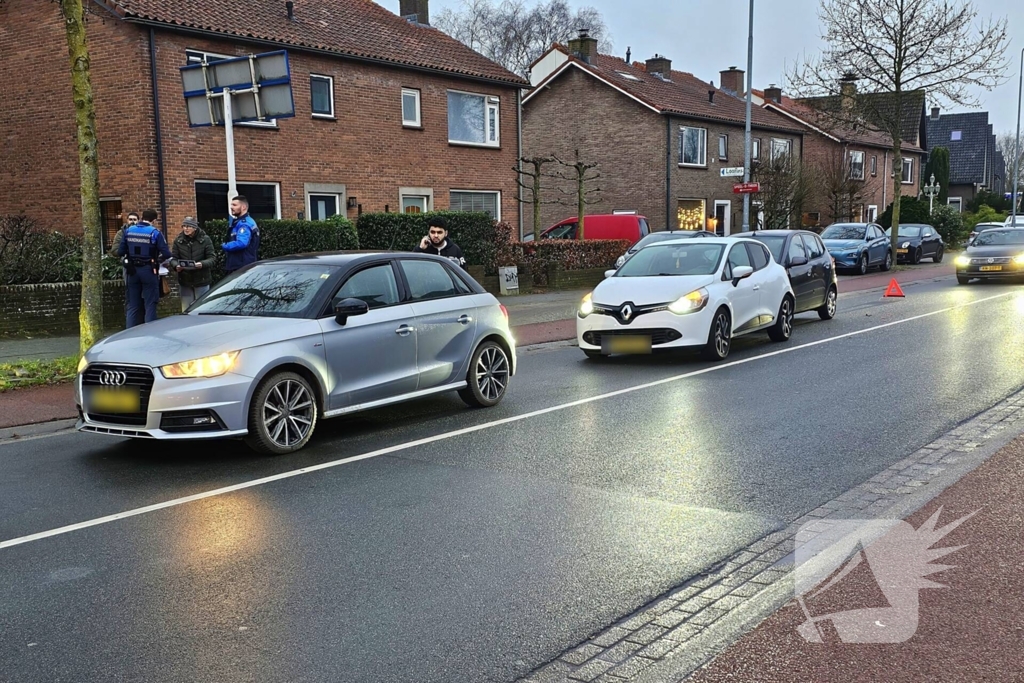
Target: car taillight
504, 311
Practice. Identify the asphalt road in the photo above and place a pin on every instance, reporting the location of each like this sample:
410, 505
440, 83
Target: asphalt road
480, 544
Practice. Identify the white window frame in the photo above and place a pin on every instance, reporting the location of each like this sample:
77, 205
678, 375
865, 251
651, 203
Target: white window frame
194, 56
755, 149
426, 192
418, 121
702, 148
330, 87
874, 165
491, 103
325, 189
276, 186
908, 177
853, 174
779, 143
958, 202
723, 137
872, 213
497, 201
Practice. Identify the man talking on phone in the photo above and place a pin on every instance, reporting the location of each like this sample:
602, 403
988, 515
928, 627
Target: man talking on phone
437, 242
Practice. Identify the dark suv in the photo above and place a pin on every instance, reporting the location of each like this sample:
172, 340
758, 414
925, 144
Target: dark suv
812, 272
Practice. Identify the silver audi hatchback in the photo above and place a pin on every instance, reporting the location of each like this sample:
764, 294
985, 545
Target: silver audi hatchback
283, 343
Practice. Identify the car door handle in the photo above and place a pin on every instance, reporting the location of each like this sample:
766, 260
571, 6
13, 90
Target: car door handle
404, 330
465, 319
757, 287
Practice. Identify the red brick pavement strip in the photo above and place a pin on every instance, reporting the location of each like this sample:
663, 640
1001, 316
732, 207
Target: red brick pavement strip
37, 404
972, 630
855, 283
542, 333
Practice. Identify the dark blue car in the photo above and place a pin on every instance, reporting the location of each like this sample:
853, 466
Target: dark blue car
858, 246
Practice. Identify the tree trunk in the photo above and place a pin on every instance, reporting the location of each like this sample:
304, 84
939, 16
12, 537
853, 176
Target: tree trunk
580, 196
90, 317
536, 204
897, 195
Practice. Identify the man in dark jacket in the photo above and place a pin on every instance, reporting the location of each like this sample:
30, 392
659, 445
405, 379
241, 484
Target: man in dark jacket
195, 248
243, 246
437, 242
143, 247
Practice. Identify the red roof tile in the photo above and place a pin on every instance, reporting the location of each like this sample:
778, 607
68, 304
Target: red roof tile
359, 29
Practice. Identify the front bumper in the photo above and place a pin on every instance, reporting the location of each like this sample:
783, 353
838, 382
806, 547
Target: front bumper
847, 260
177, 410
666, 329
1008, 271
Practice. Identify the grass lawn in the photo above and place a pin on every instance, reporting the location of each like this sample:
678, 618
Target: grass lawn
37, 372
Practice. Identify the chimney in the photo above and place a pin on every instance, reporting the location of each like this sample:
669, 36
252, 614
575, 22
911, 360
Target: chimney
583, 46
629, 54
935, 113
416, 11
659, 65
773, 93
847, 90
732, 80
711, 95
290, 8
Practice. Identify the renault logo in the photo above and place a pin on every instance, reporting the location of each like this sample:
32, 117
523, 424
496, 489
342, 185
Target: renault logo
626, 312
113, 378
991, 260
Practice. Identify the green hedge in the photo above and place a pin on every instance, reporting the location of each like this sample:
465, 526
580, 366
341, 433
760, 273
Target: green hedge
474, 232
950, 224
283, 238
912, 210
571, 255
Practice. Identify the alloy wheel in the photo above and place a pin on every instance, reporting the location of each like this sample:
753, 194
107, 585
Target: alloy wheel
830, 302
722, 335
492, 373
787, 318
288, 413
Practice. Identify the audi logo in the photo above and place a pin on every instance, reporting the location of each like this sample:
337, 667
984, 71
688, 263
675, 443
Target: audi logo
112, 378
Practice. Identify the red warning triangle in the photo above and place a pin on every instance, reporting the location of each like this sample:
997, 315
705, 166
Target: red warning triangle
894, 289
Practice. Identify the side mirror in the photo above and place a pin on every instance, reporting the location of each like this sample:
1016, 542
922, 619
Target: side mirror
348, 307
609, 273
741, 272
798, 261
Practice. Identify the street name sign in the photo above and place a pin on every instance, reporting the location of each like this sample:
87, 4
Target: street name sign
731, 172
746, 188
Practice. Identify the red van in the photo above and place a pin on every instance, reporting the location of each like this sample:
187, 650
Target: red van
607, 226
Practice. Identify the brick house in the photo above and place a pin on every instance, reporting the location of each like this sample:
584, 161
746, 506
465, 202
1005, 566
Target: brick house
974, 162
852, 169
390, 114
659, 136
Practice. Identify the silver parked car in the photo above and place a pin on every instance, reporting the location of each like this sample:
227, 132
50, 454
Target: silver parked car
275, 347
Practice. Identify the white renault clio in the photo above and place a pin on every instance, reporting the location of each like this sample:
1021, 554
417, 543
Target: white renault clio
687, 293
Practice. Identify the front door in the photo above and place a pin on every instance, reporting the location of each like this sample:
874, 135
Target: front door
723, 218
371, 357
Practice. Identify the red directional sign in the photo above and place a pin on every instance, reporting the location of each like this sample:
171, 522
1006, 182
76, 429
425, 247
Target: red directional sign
746, 188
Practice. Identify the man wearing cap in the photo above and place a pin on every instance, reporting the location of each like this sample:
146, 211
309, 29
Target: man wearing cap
193, 258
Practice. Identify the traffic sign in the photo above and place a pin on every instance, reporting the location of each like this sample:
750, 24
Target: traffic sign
746, 188
731, 172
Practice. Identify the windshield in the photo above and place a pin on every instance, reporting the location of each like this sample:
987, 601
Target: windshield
775, 244
281, 290
843, 232
696, 258
906, 231
995, 238
661, 237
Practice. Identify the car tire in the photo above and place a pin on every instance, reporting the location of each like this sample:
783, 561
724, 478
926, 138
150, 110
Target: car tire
488, 376
916, 258
282, 403
862, 265
782, 330
938, 254
827, 311
594, 355
963, 280
719, 336
887, 264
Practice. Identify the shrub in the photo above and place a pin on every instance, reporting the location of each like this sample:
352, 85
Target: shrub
474, 232
950, 225
571, 255
985, 214
30, 256
287, 237
912, 210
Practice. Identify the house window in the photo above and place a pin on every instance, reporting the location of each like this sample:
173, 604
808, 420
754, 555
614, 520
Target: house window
473, 119
723, 147
413, 203
321, 91
857, 165
411, 108
212, 200
471, 200
956, 136
908, 171
693, 146
874, 165
690, 214
755, 148
781, 148
872, 213
110, 215
197, 57
956, 202
323, 206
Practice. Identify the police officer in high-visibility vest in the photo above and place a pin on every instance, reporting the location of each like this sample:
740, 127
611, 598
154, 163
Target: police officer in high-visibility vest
143, 249
243, 246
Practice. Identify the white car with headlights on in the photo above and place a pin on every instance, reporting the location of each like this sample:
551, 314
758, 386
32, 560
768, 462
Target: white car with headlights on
687, 294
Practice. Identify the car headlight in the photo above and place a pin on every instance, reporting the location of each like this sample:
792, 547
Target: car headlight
1019, 259
212, 366
905, 245
82, 365
586, 306
620, 261
963, 260
692, 302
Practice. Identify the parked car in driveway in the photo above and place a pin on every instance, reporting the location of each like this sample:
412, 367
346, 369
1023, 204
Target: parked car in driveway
696, 293
918, 241
283, 343
982, 227
858, 246
611, 226
661, 236
812, 274
994, 255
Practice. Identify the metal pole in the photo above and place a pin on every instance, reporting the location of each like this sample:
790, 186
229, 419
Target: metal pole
229, 138
1016, 146
746, 131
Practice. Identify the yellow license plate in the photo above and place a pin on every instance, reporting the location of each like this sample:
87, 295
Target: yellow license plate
901, 251
627, 344
989, 268
113, 400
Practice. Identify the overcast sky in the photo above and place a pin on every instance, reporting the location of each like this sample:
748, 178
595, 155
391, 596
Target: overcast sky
706, 36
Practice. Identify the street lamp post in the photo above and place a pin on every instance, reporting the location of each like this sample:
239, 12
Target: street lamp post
746, 132
1016, 147
930, 191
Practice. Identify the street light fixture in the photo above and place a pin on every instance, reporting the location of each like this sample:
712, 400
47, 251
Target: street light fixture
930, 191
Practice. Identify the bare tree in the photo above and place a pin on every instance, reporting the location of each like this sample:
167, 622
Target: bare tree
896, 49
784, 189
581, 174
1007, 144
835, 184
515, 34
535, 187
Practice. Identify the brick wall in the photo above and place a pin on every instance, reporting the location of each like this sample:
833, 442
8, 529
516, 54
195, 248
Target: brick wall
365, 148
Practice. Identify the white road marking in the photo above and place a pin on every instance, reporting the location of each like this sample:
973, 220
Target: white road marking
469, 430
